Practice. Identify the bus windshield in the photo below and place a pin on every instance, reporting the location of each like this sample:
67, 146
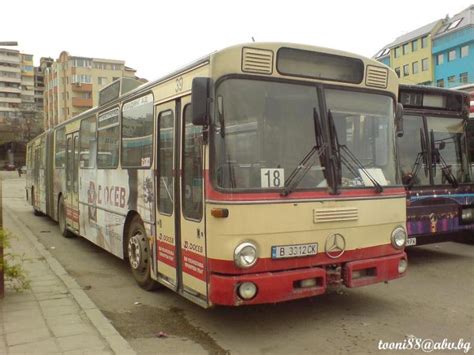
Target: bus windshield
413, 152
263, 130
363, 124
447, 134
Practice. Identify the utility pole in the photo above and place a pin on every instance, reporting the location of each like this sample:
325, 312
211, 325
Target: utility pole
2, 262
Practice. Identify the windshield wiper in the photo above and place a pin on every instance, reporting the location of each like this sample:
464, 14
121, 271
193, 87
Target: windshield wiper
438, 158
420, 157
348, 158
304, 165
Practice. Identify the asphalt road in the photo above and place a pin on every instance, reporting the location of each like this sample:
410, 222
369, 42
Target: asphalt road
434, 301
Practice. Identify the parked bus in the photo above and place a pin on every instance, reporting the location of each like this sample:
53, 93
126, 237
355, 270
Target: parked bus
435, 164
259, 174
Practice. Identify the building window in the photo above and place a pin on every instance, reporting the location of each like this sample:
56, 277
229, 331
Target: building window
415, 67
464, 51
397, 52
81, 79
102, 80
463, 78
454, 24
452, 55
82, 63
424, 42
440, 59
440, 83
406, 48
414, 45
397, 70
424, 64
451, 79
137, 132
406, 70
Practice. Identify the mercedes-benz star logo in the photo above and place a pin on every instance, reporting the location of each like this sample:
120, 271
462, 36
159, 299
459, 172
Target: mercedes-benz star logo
335, 246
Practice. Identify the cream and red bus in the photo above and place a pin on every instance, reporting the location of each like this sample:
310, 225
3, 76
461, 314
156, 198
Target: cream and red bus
261, 173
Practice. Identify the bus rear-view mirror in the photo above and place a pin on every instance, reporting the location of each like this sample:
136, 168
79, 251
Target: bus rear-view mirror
200, 101
399, 120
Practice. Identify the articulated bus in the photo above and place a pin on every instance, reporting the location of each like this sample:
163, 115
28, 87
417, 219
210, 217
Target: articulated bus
261, 173
435, 164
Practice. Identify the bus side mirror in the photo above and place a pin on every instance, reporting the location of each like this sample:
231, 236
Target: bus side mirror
200, 101
399, 120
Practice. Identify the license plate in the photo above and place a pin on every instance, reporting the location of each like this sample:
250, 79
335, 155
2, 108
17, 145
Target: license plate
294, 251
411, 242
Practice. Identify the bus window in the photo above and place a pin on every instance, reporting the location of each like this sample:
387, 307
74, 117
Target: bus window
192, 167
69, 161
165, 161
75, 173
447, 135
60, 149
137, 132
88, 143
108, 137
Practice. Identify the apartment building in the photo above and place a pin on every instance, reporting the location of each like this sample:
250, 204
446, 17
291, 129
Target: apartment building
410, 55
10, 84
453, 51
39, 82
72, 84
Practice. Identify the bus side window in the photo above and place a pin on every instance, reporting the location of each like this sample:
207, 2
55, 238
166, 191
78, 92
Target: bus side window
165, 161
137, 132
192, 167
60, 149
108, 139
88, 143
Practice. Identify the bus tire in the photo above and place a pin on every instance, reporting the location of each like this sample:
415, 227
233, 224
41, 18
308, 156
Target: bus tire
138, 252
62, 219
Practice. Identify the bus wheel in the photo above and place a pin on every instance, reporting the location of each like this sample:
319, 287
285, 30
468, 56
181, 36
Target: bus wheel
138, 251
62, 219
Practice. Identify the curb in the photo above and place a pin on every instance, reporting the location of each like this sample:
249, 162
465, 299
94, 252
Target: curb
105, 328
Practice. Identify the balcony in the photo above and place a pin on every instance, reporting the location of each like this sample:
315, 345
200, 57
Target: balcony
10, 90
80, 102
9, 59
78, 87
13, 100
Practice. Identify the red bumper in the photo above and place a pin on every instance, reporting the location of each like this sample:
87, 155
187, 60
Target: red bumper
274, 287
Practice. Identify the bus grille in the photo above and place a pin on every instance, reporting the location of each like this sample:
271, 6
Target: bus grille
335, 215
258, 61
376, 76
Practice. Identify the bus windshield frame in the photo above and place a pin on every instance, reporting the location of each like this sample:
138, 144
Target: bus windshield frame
273, 151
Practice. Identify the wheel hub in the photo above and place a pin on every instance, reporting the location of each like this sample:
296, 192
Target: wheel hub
134, 251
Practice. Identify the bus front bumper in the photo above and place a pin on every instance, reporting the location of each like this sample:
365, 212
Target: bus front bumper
280, 286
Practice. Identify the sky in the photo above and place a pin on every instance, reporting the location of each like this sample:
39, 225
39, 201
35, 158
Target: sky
158, 37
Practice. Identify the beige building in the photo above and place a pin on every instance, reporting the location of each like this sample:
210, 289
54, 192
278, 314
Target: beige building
72, 84
10, 84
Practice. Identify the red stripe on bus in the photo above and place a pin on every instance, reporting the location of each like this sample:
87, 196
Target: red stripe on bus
194, 264
212, 194
166, 253
269, 264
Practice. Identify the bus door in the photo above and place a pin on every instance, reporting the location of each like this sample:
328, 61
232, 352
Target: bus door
72, 183
192, 231
166, 241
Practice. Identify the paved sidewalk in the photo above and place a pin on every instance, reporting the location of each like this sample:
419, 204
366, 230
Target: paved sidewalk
56, 316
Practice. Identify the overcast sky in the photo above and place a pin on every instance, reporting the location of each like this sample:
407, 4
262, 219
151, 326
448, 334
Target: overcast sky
157, 37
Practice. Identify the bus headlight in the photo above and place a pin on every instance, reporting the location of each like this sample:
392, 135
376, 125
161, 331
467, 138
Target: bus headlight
245, 255
467, 215
399, 237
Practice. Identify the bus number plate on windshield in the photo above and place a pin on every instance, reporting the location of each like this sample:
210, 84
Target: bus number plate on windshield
294, 251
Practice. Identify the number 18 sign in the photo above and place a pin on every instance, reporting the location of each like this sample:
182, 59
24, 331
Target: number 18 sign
272, 177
